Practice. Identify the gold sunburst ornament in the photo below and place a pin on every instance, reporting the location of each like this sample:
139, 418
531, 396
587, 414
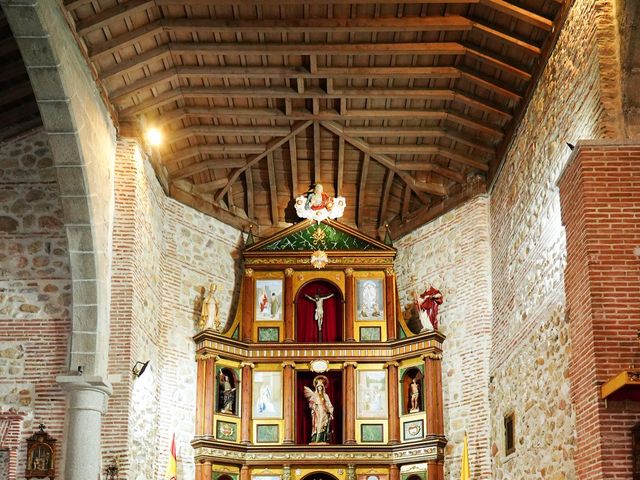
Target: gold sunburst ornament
319, 259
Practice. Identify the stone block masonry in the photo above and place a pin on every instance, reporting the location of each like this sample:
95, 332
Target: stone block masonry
453, 254
35, 298
600, 196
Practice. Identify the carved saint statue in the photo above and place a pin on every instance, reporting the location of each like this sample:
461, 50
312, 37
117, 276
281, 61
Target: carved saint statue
321, 410
210, 316
428, 303
414, 395
227, 393
318, 199
319, 313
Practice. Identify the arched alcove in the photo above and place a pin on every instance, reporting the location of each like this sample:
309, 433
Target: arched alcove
330, 296
303, 420
408, 405
227, 397
319, 476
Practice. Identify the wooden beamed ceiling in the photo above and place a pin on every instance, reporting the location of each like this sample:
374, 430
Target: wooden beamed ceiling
401, 107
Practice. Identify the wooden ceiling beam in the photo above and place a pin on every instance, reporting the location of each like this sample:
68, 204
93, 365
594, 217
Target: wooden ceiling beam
386, 191
227, 130
432, 167
429, 150
340, 173
520, 13
112, 15
271, 146
317, 177
212, 164
293, 159
137, 62
362, 189
305, 115
273, 189
388, 162
248, 178
212, 149
212, 186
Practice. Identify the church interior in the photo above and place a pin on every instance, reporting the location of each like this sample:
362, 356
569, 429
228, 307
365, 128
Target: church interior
320, 239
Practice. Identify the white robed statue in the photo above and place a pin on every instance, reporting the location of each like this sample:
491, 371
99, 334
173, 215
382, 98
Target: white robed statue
321, 410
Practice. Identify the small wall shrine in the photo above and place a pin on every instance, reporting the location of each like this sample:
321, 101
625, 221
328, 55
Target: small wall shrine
319, 375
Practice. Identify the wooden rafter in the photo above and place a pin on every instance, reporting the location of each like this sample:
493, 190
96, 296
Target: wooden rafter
415, 186
293, 158
273, 189
187, 153
248, 177
340, 174
199, 167
270, 147
386, 191
317, 176
362, 189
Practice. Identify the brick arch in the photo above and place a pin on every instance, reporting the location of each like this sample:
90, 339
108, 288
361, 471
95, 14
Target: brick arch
82, 140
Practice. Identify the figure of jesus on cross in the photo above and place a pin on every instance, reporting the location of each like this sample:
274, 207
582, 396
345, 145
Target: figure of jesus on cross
319, 313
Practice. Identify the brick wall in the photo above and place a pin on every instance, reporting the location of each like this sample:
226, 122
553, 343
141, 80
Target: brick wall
35, 296
600, 193
453, 254
531, 349
164, 252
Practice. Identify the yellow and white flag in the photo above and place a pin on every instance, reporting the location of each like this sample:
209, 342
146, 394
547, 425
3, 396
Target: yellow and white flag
464, 470
173, 462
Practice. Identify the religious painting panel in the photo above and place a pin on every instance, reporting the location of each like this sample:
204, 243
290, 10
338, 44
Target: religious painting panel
370, 334
372, 432
268, 334
413, 430
267, 394
372, 394
267, 433
226, 431
268, 302
370, 299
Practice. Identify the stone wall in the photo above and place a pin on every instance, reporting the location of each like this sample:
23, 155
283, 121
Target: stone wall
453, 254
164, 253
530, 353
35, 292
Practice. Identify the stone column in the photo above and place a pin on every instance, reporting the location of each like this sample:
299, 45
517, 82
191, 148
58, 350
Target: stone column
288, 305
289, 396
87, 403
209, 401
350, 301
248, 299
394, 472
246, 403
433, 393
390, 302
350, 403
394, 413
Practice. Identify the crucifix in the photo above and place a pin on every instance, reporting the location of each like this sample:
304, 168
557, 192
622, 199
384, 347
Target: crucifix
319, 312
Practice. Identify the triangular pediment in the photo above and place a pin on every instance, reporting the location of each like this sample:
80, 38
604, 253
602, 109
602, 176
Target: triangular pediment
327, 235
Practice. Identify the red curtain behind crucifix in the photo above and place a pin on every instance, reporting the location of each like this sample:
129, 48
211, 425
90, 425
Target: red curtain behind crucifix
306, 326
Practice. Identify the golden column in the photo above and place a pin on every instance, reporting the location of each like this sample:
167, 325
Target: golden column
248, 298
350, 402
289, 394
433, 390
394, 413
245, 436
288, 305
390, 302
349, 292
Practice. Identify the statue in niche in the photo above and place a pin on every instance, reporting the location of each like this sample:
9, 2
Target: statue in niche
210, 315
227, 394
317, 199
427, 303
321, 410
319, 312
414, 395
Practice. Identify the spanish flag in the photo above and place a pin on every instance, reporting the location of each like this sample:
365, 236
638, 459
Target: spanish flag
173, 462
464, 469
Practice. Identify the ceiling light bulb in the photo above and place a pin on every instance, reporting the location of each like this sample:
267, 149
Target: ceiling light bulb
154, 137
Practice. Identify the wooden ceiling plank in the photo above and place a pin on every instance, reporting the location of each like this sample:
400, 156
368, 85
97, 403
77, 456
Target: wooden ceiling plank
226, 130
386, 191
340, 173
137, 62
293, 158
432, 167
113, 14
531, 49
186, 153
362, 189
388, 162
303, 2
406, 197
200, 167
272, 145
125, 40
520, 13
144, 83
499, 63
248, 178
212, 186
273, 192
316, 153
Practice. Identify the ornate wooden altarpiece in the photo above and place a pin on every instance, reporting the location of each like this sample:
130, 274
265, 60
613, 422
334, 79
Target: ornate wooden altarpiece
384, 382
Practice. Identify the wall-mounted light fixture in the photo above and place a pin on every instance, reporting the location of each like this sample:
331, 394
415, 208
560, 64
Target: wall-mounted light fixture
139, 368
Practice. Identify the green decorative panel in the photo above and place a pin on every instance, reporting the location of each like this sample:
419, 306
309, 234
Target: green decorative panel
267, 433
318, 237
370, 334
268, 334
372, 433
226, 431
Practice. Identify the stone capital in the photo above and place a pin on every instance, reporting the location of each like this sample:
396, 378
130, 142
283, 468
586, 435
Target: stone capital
432, 356
389, 271
86, 392
350, 364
